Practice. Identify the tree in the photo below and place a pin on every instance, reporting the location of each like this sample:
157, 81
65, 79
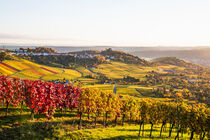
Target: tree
10, 91
178, 100
2, 56
129, 108
154, 116
143, 114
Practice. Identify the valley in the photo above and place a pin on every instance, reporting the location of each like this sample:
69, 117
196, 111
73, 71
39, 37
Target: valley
109, 89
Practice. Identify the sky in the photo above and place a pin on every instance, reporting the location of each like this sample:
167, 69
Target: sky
105, 22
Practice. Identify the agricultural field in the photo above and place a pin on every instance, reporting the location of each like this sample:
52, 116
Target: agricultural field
132, 90
117, 70
25, 69
104, 70
88, 108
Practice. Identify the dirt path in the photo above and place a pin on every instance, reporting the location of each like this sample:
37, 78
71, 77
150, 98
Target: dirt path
139, 92
92, 71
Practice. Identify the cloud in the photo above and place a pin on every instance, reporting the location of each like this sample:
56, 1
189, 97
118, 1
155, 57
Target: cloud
26, 39
22, 36
12, 36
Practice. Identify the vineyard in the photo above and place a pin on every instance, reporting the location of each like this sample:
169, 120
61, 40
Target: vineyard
25, 69
94, 108
104, 70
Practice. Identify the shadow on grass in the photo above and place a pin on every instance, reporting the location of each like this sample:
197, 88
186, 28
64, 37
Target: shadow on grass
37, 130
58, 114
5, 120
13, 110
130, 137
14, 115
145, 130
11, 119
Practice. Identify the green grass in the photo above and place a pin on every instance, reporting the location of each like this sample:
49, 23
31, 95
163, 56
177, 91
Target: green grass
122, 132
54, 130
64, 126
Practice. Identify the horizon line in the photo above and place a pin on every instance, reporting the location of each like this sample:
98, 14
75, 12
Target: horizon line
48, 45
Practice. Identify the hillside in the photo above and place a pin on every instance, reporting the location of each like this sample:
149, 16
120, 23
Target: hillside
196, 55
113, 72
38, 50
116, 55
86, 58
175, 61
120, 91
148, 81
117, 70
25, 69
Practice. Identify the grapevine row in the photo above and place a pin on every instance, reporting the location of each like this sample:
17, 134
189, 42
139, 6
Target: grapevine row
97, 105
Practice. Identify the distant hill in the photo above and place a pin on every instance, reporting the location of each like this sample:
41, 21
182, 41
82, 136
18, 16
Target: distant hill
87, 58
125, 57
195, 55
198, 55
38, 50
86, 52
118, 56
175, 61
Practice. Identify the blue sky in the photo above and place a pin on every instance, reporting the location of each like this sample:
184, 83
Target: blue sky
105, 22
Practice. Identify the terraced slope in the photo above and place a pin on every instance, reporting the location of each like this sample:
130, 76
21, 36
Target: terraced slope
28, 70
25, 69
117, 70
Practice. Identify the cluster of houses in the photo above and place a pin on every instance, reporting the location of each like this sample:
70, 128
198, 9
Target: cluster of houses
32, 53
85, 55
